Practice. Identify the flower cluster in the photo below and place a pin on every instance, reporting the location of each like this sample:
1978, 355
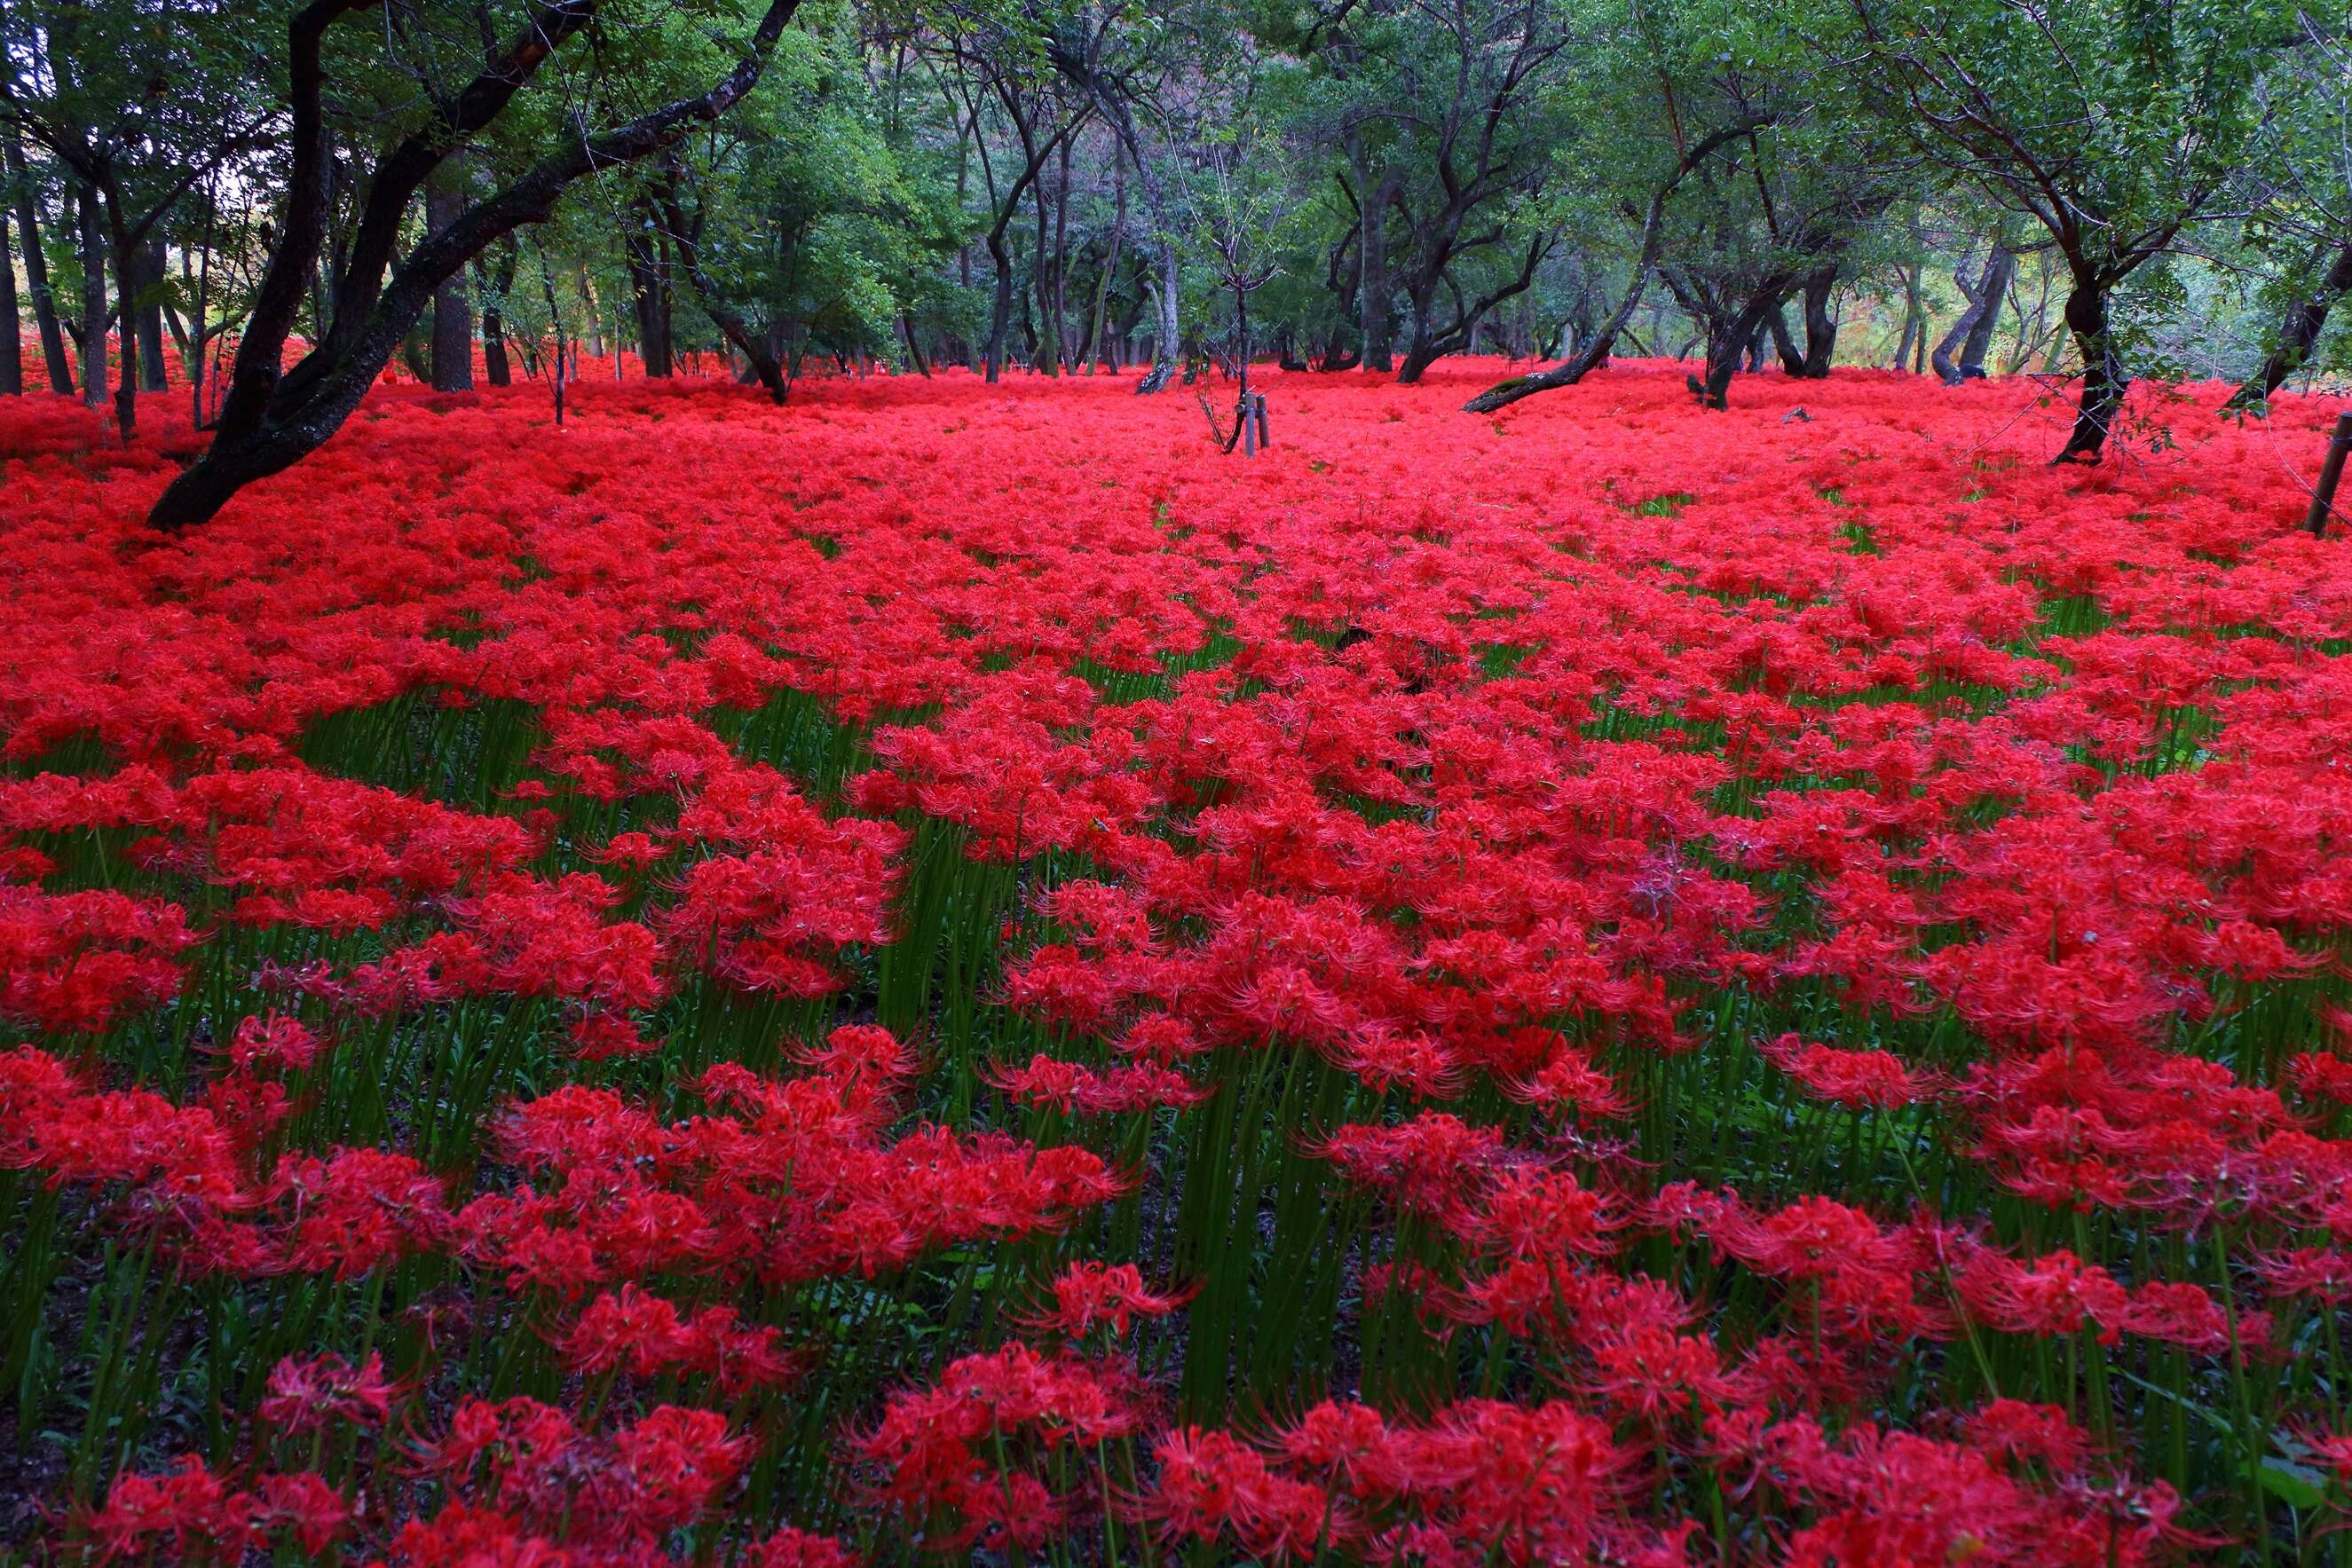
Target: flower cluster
938, 972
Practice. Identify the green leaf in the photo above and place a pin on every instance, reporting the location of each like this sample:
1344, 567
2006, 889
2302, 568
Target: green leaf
2297, 1486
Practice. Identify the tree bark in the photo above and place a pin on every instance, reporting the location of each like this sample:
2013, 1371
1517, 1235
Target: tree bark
1947, 368
149, 316
1727, 344
1372, 294
452, 353
1821, 326
2000, 271
1086, 73
649, 297
496, 369
2298, 334
93, 299
36, 274
1912, 324
1429, 346
12, 332
1793, 357
1097, 347
129, 258
2103, 381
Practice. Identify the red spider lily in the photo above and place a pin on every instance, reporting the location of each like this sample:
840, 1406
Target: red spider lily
942, 1451
194, 1515
1074, 1090
307, 1395
75, 962
1897, 1497
647, 1335
623, 1489
1211, 1487
1417, 824
791, 1548
1088, 1295
1854, 1079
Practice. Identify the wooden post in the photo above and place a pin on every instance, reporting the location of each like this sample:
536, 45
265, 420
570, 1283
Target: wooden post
2323, 500
1265, 441
1249, 426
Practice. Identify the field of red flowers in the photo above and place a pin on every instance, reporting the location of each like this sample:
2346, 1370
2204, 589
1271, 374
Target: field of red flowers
945, 973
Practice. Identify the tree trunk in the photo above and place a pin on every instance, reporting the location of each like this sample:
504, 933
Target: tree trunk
1910, 317
763, 363
36, 274
650, 295
1421, 351
2298, 334
1605, 342
452, 364
1792, 358
12, 334
1727, 338
149, 316
93, 300
495, 368
1999, 272
1000, 322
1098, 346
2103, 381
129, 267
1110, 97
1166, 343
1821, 326
1372, 290
1725, 342
270, 421
1947, 369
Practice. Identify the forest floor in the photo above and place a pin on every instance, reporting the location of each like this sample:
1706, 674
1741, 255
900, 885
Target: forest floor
950, 967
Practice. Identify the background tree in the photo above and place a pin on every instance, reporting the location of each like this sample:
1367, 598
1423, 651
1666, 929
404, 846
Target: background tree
270, 420
2115, 125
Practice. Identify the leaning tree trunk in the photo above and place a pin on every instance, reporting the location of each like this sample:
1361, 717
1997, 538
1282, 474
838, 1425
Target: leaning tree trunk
2103, 381
453, 323
1167, 349
1421, 351
1075, 62
1603, 342
999, 320
270, 420
1793, 357
2000, 272
1727, 342
1947, 368
2298, 334
761, 362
